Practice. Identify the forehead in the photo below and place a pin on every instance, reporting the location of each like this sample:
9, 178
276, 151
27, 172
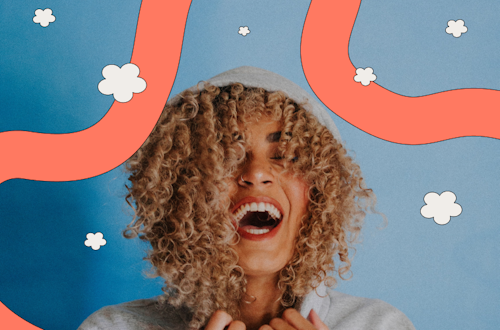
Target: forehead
263, 130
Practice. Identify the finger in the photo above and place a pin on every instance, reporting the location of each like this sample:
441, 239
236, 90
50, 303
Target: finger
280, 324
266, 327
297, 321
237, 325
218, 320
316, 321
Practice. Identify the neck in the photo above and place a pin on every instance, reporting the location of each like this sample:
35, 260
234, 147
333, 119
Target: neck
266, 306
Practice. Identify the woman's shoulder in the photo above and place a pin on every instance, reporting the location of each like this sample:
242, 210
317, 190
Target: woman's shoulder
347, 312
146, 314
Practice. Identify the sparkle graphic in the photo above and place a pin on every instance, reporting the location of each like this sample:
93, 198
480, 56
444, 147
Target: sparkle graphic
456, 28
440, 207
244, 30
44, 17
95, 241
121, 82
364, 76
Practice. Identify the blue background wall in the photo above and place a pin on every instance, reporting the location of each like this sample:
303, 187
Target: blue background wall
442, 277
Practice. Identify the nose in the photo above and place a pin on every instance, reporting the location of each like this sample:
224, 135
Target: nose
256, 173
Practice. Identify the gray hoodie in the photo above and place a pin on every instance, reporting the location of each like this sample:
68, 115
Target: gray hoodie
337, 310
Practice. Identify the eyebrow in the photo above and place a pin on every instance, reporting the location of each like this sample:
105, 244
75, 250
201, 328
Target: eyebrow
273, 137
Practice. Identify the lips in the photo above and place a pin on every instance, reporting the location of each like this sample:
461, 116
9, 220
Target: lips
257, 218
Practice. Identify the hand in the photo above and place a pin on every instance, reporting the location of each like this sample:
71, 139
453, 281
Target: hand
292, 320
220, 320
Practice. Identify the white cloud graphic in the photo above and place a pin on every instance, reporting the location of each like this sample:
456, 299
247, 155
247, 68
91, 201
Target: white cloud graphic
440, 207
456, 28
95, 240
121, 82
44, 17
244, 30
364, 76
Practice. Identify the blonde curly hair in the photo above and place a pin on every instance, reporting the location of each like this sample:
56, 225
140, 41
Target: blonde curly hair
179, 192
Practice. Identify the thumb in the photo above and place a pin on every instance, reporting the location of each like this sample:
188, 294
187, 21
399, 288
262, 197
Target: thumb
316, 321
219, 320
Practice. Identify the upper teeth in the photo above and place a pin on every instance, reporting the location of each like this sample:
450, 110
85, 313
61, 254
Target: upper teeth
256, 207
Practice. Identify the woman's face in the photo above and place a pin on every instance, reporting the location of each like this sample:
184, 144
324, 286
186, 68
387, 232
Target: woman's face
266, 207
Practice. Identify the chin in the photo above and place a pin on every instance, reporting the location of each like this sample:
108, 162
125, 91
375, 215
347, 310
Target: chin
261, 271
261, 263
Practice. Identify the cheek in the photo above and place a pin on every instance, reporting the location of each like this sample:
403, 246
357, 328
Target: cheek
303, 190
299, 196
232, 191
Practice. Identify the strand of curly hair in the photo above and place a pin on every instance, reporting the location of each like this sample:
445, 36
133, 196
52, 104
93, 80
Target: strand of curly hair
179, 193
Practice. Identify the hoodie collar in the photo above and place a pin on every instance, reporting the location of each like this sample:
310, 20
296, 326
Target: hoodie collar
318, 300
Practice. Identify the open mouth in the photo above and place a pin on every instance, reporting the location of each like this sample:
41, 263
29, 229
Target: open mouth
257, 218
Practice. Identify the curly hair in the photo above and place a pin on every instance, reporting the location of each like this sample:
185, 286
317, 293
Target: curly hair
179, 192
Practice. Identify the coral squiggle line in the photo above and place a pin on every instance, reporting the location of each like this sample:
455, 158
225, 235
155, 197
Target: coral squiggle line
375, 110
108, 143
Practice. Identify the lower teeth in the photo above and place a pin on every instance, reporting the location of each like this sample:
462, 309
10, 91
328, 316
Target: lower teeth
257, 231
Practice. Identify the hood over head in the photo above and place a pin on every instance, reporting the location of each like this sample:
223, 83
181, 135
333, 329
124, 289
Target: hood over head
250, 76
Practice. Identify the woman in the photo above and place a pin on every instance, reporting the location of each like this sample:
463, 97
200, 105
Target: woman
246, 195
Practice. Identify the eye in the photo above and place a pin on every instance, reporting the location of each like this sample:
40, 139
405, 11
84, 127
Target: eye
278, 160
279, 157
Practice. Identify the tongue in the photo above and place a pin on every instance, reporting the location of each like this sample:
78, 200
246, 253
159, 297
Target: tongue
258, 220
